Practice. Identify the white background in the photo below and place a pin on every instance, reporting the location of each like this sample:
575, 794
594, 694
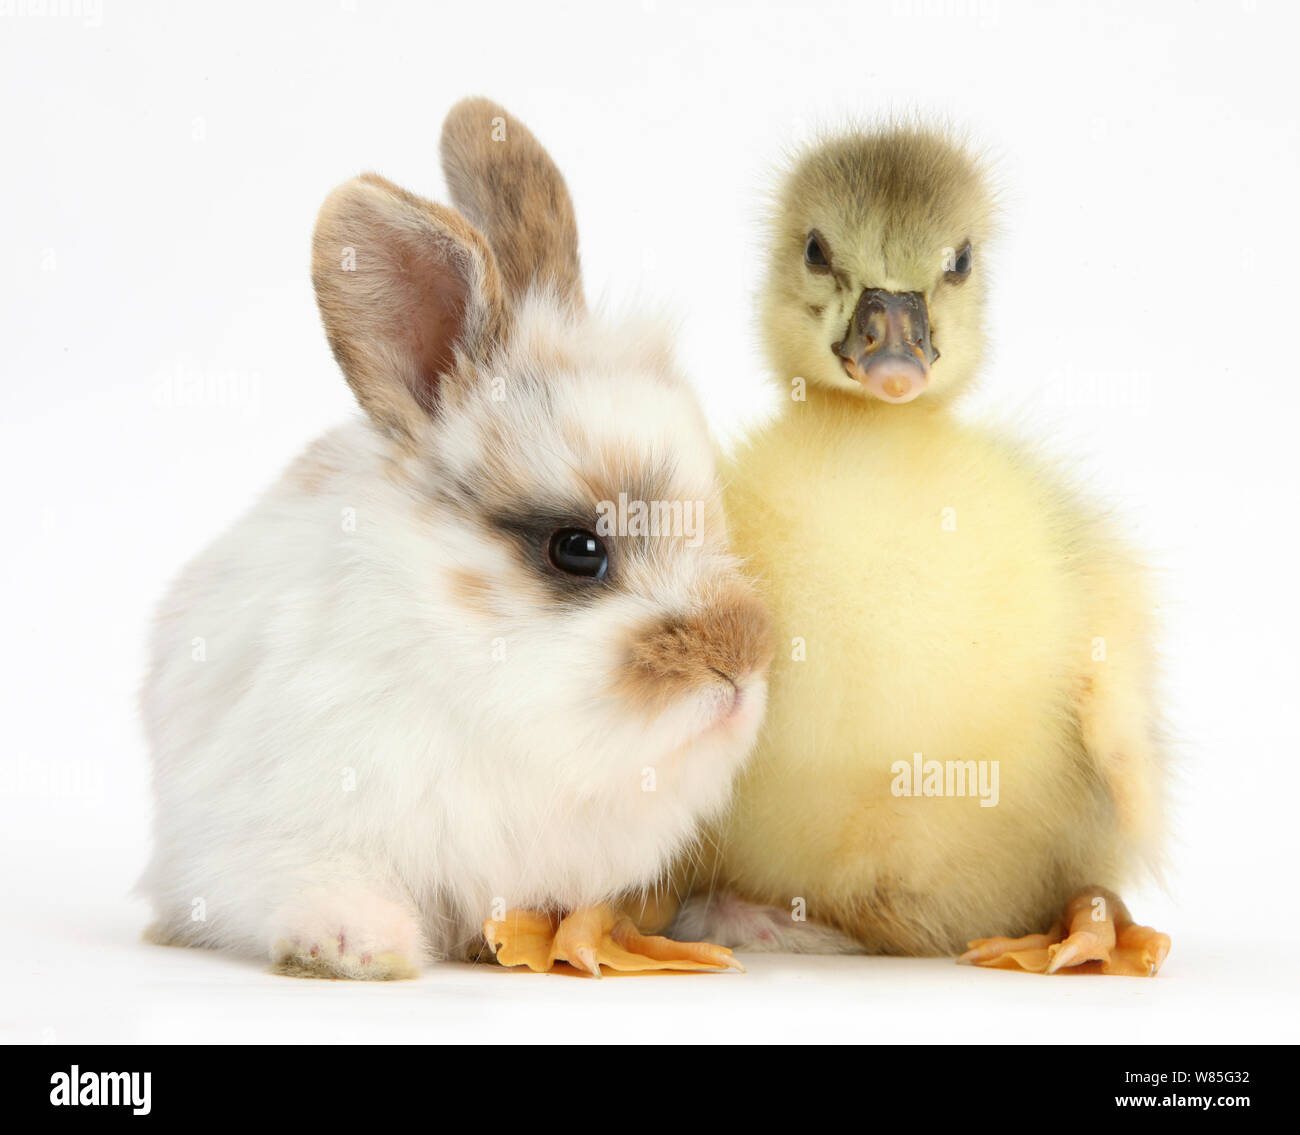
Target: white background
161, 360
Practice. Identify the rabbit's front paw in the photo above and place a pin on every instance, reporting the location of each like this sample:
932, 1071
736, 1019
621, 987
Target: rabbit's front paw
348, 934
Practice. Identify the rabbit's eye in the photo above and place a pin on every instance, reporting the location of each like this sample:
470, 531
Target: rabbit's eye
815, 255
576, 551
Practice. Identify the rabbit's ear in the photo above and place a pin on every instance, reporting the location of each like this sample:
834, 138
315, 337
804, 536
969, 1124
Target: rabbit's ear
404, 286
502, 179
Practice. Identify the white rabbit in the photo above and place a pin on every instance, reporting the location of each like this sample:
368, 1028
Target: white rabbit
431, 675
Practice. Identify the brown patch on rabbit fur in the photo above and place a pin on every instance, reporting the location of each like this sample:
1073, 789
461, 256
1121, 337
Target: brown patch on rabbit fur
728, 638
474, 593
492, 598
504, 182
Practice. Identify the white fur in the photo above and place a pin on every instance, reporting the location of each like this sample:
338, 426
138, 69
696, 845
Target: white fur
350, 759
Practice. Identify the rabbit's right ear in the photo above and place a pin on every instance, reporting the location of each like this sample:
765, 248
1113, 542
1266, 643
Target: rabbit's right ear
404, 286
504, 181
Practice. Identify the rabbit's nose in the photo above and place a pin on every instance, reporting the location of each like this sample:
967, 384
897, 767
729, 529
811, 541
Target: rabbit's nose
727, 638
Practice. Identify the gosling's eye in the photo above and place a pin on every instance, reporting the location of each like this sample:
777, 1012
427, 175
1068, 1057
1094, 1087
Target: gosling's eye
815, 254
575, 551
961, 263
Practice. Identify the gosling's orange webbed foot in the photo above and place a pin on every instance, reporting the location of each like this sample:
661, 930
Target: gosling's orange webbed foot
1095, 935
593, 937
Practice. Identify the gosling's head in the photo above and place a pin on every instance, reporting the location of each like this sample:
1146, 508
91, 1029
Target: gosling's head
875, 284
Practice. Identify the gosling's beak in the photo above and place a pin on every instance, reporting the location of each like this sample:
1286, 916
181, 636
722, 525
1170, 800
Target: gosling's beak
888, 346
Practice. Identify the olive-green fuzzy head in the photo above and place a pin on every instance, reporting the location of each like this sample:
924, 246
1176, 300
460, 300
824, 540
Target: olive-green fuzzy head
875, 280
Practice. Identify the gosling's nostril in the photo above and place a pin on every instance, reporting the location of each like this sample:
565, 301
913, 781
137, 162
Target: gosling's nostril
887, 321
